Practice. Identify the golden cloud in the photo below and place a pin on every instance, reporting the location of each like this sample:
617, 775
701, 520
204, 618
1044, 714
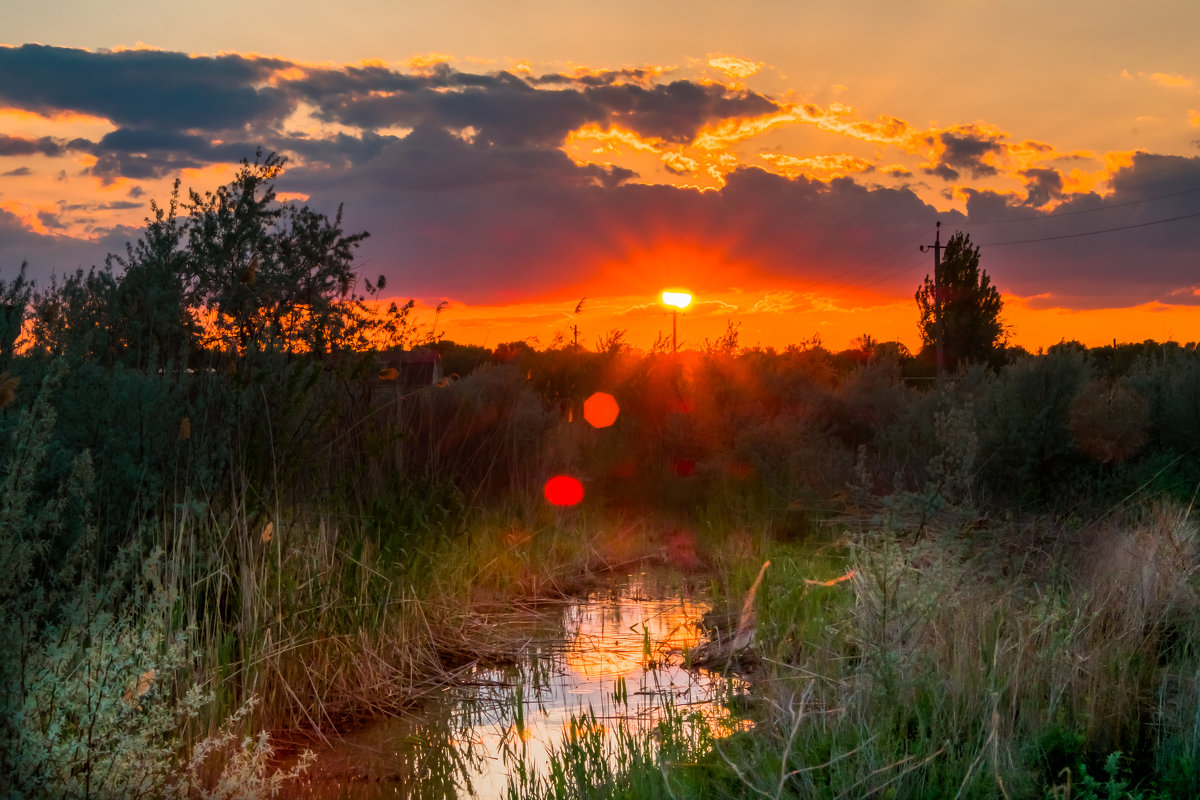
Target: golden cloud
611, 139
735, 67
731, 131
427, 61
644, 75
1079, 181
679, 163
27, 214
1174, 81
822, 168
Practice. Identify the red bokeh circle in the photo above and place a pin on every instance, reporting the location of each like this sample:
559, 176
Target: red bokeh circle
563, 490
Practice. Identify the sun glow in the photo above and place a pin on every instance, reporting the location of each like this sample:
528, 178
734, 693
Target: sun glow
677, 299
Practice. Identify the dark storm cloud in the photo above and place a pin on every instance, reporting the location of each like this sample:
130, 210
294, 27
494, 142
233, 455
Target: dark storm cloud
431, 160
142, 88
340, 151
942, 171
965, 149
1043, 186
677, 111
482, 224
171, 108
502, 107
141, 153
478, 202
485, 225
320, 85
50, 220
452, 218
1120, 250
598, 78
17, 146
509, 110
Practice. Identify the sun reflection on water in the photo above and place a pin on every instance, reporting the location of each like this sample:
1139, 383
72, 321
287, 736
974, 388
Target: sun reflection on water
589, 668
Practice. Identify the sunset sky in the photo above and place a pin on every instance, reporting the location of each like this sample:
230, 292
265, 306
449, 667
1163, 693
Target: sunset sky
781, 160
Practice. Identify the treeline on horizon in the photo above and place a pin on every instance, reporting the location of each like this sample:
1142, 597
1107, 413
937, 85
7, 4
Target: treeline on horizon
1071, 429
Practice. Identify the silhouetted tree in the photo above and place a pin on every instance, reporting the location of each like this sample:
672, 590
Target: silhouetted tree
151, 321
274, 276
971, 328
14, 302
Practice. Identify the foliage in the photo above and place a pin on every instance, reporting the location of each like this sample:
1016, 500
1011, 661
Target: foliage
88, 676
961, 308
15, 297
274, 276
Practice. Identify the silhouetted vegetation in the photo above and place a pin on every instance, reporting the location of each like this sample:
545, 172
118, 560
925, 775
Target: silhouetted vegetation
205, 470
960, 309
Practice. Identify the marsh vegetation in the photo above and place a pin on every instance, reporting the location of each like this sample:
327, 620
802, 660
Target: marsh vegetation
233, 536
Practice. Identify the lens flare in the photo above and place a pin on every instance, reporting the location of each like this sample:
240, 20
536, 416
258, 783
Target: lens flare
601, 410
562, 490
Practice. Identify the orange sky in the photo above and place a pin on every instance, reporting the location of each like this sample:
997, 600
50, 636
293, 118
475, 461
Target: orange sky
783, 163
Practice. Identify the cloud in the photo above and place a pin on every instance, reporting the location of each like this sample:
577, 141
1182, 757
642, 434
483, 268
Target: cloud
943, 171
1043, 184
1174, 81
17, 173
141, 153
967, 148
48, 254
1093, 251
735, 67
822, 167
143, 88
18, 146
465, 182
509, 110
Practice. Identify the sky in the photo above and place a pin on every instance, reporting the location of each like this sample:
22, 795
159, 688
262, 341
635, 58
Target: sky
543, 169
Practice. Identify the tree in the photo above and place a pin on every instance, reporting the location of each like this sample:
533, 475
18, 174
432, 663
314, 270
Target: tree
970, 328
14, 302
150, 317
277, 277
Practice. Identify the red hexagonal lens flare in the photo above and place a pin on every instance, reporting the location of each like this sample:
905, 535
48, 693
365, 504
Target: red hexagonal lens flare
601, 410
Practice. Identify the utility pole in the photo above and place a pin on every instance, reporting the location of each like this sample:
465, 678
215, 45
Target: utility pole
937, 297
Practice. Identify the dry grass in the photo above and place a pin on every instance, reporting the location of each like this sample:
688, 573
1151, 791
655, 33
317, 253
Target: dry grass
963, 646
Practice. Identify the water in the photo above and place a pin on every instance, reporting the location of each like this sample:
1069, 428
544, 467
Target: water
619, 654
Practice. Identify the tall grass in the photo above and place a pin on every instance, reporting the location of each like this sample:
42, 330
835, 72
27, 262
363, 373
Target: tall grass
325, 543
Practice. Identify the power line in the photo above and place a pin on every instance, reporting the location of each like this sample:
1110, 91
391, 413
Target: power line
911, 261
1093, 233
901, 248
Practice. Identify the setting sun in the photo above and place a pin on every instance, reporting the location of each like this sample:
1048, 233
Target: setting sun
677, 299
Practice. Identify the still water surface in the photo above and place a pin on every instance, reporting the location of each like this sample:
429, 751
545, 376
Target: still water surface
619, 654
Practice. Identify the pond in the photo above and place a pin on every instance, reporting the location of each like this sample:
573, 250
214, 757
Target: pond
618, 654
